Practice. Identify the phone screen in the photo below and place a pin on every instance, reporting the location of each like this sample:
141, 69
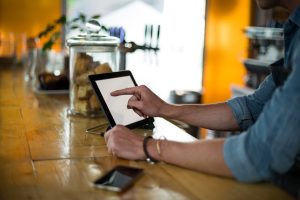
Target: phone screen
119, 178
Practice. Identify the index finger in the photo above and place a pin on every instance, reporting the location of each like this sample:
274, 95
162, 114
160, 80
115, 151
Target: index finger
106, 135
125, 91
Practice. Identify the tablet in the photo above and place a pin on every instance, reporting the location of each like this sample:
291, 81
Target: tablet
115, 107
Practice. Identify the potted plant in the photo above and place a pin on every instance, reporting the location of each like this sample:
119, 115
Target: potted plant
53, 33
51, 71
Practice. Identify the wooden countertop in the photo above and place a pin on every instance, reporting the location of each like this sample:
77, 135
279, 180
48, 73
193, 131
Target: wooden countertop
44, 154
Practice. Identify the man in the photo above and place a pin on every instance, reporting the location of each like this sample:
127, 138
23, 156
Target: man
269, 119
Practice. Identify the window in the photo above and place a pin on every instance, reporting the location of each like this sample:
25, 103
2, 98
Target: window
179, 63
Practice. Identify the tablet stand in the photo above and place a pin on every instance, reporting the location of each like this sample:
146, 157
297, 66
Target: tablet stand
148, 126
95, 130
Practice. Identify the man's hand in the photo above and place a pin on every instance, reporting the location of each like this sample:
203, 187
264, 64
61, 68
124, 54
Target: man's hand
144, 102
123, 143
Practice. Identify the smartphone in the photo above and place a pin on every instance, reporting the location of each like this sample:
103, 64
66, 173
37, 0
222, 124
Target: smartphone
119, 178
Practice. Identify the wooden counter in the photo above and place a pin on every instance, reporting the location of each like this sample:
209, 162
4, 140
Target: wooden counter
44, 154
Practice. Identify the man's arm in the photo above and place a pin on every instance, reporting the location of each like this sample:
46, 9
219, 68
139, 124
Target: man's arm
212, 116
204, 156
236, 114
145, 103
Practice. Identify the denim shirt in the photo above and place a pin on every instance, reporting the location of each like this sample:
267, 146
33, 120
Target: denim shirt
270, 120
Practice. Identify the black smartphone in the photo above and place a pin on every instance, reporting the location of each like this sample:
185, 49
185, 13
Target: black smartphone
119, 178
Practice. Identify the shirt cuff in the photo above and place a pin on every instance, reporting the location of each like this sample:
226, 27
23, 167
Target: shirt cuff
238, 161
241, 113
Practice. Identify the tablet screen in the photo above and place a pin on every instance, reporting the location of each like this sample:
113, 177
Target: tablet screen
117, 105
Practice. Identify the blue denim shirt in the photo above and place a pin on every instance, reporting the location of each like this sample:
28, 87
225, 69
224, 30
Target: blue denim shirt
270, 119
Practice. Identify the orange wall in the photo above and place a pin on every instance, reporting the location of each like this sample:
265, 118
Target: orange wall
27, 16
226, 45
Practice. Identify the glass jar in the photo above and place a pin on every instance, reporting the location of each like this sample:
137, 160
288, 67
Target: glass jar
49, 73
89, 54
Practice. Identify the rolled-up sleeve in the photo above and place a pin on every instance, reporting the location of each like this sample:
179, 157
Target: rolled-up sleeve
237, 159
247, 109
271, 144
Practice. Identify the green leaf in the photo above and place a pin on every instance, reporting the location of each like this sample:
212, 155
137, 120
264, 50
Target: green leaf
61, 20
82, 17
95, 16
55, 36
75, 19
48, 45
74, 27
104, 28
42, 34
49, 28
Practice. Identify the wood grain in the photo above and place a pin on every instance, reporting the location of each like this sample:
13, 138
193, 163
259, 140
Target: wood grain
46, 154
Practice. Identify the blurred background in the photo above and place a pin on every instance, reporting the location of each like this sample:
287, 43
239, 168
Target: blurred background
186, 51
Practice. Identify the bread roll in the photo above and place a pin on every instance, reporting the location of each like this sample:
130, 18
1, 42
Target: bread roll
83, 63
82, 106
94, 103
83, 78
103, 68
83, 92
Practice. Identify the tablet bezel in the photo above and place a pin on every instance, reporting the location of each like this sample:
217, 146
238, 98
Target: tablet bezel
95, 77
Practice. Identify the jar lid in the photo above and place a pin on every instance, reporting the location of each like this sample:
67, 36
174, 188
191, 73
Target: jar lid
93, 40
92, 37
